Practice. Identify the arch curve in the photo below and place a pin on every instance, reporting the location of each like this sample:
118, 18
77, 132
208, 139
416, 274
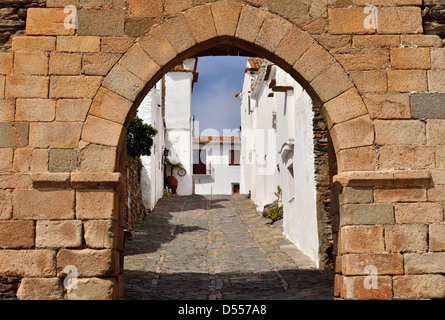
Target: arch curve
236, 27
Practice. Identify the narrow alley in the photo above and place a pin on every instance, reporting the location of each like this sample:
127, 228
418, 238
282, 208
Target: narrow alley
216, 248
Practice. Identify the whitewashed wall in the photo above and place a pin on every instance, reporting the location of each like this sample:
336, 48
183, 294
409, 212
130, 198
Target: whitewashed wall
152, 180
289, 148
222, 174
178, 123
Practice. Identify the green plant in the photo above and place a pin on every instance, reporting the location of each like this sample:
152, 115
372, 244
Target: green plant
139, 138
276, 213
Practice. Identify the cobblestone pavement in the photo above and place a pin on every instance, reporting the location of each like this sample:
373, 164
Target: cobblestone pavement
216, 248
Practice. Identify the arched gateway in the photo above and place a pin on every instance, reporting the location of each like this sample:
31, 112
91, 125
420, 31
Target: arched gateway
69, 94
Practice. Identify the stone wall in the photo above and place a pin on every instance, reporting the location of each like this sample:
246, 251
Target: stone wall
323, 185
434, 17
136, 210
388, 142
8, 288
13, 18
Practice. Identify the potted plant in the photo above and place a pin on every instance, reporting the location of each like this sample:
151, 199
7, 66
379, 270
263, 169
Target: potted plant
172, 182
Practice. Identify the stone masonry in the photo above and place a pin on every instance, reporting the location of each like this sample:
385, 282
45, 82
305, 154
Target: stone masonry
67, 96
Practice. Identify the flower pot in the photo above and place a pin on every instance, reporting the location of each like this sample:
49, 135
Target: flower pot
172, 183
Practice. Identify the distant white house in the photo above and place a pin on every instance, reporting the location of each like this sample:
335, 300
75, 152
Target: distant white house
278, 149
152, 175
168, 107
206, 164
216, 165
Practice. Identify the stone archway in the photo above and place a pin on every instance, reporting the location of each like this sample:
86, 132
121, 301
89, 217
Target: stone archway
141, 67
385, 158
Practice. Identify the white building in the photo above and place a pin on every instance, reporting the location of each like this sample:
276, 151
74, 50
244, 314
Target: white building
277, 149
167, 107
152, 175
216, 165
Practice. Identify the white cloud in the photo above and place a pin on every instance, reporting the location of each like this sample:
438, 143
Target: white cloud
214, 103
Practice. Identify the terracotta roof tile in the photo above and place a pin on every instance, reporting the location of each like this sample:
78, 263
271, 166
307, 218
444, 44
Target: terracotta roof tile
255, 63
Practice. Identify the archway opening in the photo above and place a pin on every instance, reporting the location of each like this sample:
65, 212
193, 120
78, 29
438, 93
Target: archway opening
289, 91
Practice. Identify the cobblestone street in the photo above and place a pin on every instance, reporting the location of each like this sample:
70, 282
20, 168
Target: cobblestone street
216, 248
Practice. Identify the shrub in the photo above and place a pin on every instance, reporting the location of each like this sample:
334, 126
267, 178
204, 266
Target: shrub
276, 213
139, 138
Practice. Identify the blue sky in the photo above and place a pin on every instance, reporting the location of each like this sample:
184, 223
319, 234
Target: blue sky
213, 102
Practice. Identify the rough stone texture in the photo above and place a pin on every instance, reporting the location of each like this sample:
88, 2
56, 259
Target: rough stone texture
94, 204
437, 193
7, 110
99, 64
6, 158
400, 195
92, 289
72, 110
62, 160
362, 239
356, 195
428, 105
386, 263
14, 134
30, 160
407, 81
61, 63
381, 213
97, 158
17, 234
123, 82
26, 86
74, 87
28, 263
426, 286
418, 212
410, 58
36, 43
382, 92
100, 234
110, 106
356, 290
387, 106
357, 159
437, 237
46, 21
5, 204
406, 238
31, 63
100, 22
400, 132
54, 134
407, 157
135, 58
102, 131
39, 205
115, 44
416, 263
335, 111
78, 44
353, 133
59, 234
89, 262
35, 110
435, 131
40, 289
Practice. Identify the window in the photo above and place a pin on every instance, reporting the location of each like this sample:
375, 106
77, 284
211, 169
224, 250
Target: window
199, 162
235, 188
234, 158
